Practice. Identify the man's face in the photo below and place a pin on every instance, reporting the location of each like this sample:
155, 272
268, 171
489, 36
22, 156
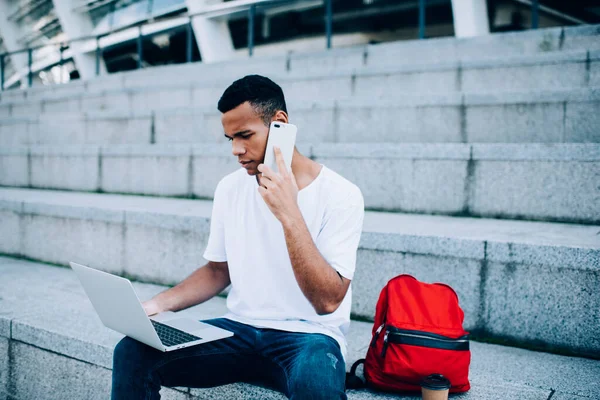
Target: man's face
248, 134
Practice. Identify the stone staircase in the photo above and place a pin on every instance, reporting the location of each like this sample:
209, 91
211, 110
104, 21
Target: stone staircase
479, 161
53, 346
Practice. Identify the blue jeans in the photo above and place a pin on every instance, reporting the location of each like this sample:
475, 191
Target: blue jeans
300, 365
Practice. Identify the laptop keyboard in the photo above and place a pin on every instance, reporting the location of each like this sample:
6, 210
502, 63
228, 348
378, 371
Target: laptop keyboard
170, 336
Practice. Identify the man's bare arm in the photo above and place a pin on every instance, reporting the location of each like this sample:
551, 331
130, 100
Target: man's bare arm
202, 285
320, 282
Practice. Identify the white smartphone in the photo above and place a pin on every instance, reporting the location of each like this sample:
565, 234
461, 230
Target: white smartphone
283, 136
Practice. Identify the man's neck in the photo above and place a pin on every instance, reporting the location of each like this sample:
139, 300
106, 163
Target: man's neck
304, 169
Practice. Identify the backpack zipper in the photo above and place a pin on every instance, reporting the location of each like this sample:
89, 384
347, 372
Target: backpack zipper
423, 339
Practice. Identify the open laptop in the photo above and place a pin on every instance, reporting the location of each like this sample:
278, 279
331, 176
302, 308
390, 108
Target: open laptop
120, 309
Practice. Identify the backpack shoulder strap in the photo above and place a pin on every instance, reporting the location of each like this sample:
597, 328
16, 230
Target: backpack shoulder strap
352, 380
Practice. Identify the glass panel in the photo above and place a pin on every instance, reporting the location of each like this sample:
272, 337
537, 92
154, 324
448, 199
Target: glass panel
130, 14
160, 7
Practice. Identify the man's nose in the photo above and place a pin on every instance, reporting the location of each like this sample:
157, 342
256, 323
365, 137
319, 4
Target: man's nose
237, 148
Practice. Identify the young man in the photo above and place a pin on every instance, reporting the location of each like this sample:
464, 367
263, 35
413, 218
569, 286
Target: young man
286, 243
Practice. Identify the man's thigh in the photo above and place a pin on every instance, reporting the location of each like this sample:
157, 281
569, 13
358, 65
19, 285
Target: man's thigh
311, 365
206, 365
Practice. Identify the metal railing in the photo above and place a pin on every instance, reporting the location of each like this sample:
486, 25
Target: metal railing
223, 9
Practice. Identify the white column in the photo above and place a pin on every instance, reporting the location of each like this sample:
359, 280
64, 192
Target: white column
77, 24
11, 33
470, 18
213, 37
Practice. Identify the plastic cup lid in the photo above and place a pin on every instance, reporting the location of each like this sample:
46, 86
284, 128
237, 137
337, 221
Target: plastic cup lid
435, 382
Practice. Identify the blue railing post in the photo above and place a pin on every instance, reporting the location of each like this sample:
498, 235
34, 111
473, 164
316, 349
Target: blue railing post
535, 14
97, 55
189, 41
251, 16
421, 19
139, 47
2, 72
30, 72
328, 21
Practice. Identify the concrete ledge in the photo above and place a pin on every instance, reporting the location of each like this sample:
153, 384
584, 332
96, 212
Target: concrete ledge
138, 236
70, 336
554, 182
538, 116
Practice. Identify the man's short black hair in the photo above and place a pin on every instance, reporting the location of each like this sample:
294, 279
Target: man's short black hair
264, 95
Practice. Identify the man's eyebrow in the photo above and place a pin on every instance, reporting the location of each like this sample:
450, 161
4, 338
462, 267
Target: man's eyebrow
240, 133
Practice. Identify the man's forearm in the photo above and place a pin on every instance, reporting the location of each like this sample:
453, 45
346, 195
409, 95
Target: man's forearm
321, 284
202, 285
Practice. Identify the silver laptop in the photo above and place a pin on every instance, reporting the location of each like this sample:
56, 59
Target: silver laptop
120, 309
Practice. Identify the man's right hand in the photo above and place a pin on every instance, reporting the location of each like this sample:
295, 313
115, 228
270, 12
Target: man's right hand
151, 307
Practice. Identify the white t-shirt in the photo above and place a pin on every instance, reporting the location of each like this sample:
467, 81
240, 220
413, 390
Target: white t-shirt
245, 233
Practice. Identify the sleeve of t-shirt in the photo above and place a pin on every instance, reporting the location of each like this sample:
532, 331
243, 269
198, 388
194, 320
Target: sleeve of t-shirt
215, 249
340, 234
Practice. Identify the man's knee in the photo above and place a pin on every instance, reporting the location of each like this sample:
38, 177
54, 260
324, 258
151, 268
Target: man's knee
319, 371
129, 352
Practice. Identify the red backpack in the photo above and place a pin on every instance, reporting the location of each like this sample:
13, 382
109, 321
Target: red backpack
417, 332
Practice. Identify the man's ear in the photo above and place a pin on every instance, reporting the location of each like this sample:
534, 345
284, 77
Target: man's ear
280, 116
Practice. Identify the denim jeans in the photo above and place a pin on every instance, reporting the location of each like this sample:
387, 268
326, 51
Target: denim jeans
300, 365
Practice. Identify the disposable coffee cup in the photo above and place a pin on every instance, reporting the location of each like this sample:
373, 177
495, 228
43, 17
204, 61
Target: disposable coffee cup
435, 387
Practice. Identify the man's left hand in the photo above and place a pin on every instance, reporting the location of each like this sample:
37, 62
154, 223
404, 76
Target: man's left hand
279, 190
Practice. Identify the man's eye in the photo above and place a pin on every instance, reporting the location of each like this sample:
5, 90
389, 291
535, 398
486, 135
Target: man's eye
246, 136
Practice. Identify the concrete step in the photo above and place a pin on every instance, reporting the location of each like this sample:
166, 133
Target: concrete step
522, 282
47, 319
549, 182
415, 53
170, 116
554, 70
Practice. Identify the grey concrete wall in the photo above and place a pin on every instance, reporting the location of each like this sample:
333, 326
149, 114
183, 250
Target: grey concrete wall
21, 109
543, 181
15, 131
162, 247
210, 164
119, 100
557, 293
401, 178
60, 234
423, 120
4, 366
39, 374
570, 70
65, 167
554, 182
118, 128
14, 166
341, 59
187, 125
10, 228
561, 117
150, 170
64, 129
